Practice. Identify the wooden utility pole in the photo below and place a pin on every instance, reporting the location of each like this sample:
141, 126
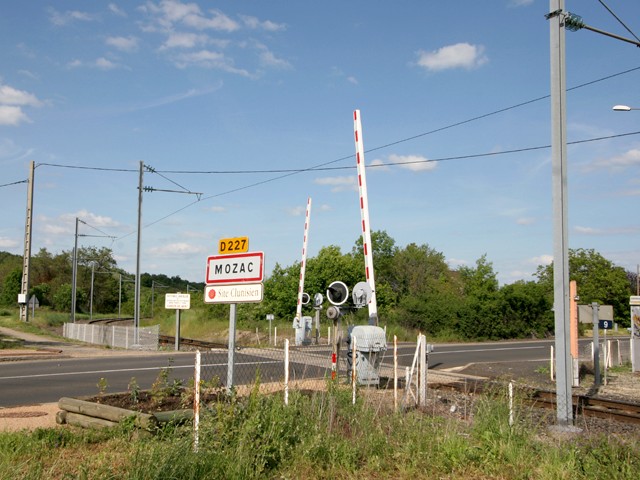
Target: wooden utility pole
23, 300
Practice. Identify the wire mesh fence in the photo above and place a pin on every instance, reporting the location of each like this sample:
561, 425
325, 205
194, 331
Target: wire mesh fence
143, 338
612, 352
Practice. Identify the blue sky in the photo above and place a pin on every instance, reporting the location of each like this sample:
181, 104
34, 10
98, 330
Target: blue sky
263, 92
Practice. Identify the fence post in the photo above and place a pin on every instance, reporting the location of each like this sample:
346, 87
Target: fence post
511, 404
286, 371
196, 402
423, 371
395, 373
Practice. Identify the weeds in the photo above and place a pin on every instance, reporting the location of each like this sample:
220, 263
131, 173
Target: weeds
102, 386
134, 390
322, 435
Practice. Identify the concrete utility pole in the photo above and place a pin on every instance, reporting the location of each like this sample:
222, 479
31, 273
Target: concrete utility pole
561, 305
136, 313
26, 258
74, 275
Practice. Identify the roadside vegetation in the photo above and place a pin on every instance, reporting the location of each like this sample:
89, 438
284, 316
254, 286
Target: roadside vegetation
417, 291
322, 436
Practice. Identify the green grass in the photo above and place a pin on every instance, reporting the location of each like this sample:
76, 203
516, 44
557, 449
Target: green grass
322, 436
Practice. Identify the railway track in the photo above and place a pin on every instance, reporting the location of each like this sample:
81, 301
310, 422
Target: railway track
620, 410
110, 320
190, 342
589, 406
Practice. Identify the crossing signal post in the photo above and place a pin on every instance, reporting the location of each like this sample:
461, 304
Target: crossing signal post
337, 294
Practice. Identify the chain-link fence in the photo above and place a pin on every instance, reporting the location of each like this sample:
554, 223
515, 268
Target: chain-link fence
612, 352
145, 338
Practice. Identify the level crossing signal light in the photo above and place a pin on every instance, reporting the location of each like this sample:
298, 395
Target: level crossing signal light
337, 293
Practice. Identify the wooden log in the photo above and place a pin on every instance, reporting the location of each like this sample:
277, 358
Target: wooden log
84, 421
176, 416
61, 417
107, 412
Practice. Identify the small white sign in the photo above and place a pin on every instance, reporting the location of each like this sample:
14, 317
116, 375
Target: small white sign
243, 293
634, 300
177, 301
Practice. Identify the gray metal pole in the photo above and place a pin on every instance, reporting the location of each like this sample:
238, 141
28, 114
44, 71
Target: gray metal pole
596, 344
560, 210
232, 346
74, 275
177, 329
136, 313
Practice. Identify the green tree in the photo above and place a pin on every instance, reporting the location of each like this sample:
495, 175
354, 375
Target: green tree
11, 287
598, 280
525, 310
426, 292
480, 314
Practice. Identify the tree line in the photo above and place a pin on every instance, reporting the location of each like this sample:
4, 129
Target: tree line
415, 289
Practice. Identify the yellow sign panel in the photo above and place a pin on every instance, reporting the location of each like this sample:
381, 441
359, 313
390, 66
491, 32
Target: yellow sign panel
233, 245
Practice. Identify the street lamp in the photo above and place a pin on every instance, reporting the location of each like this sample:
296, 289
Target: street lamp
623, 108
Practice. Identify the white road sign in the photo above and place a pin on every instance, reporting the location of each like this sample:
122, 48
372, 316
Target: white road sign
177, 301
243, 293
237, 268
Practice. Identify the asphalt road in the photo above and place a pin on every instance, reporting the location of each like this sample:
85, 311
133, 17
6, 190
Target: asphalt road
41, 381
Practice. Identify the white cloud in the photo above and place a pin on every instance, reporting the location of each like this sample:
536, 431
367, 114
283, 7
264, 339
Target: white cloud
61, 19
618, 162
218, 209
591, 231
126, 44
268, 59
541, 260
379, 164
209, 59
12, 96
177, 249
415, 163
13, 116
456, 262
297, 211
520, 3
168, 13
338, 184
525, 221
268, 25
184, 40
101, 63
116, 10
460, 55
8, 242
94, 220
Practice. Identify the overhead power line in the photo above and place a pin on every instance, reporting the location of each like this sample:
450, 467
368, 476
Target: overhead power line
14, 183
320, 166
619, 20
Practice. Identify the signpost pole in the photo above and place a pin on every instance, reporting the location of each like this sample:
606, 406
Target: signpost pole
177, 329
596, 344
605, 351
232, 346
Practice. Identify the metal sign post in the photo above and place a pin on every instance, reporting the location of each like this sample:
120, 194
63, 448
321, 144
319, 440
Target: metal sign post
231, 347
270, 318
177, 301
596, 344
234, 278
